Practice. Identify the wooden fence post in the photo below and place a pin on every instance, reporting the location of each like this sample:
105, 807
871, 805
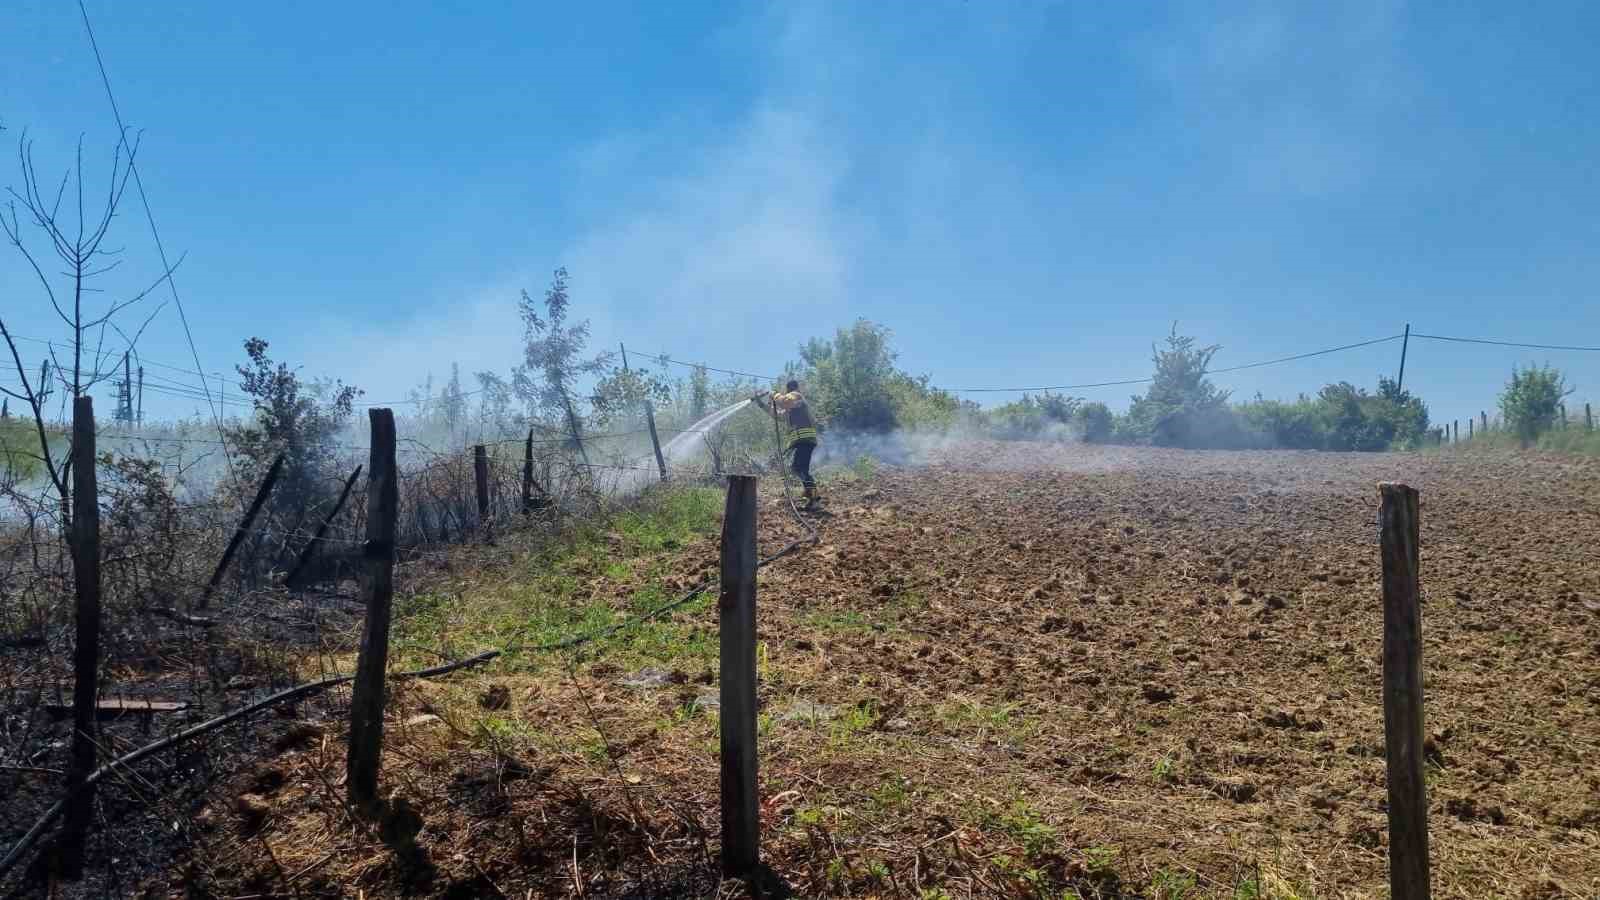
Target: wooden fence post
527, 475
366, 702
1455, 431
1483, 417
655, 440
650, 420
1402, 691
1469, 428
480, 477
1563, 417
86, 650
1588, 417
242, 531
737, 622
322, 529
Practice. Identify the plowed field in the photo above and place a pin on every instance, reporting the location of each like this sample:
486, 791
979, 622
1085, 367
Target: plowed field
1024, 669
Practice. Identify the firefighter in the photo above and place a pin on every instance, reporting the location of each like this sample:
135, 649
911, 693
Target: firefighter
791, 404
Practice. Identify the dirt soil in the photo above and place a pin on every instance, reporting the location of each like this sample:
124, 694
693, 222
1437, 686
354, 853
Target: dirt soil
1018, 670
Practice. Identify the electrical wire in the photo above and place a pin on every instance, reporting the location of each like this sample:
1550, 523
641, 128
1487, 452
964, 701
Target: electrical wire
668, 360
1254, 365
1463, 340
172, 286
1273, 362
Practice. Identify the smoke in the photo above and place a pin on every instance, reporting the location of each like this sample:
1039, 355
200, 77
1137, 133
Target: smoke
921, 447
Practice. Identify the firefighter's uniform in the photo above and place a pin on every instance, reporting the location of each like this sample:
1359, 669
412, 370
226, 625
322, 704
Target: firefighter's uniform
802, 437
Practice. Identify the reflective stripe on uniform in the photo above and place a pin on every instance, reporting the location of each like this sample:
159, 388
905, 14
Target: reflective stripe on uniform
802, 434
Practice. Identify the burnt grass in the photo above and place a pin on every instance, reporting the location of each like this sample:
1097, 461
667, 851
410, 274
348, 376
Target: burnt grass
1016, 670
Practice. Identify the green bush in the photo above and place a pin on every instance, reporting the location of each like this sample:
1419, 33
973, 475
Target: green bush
1531, 401
1300, 424
1033, 417
300, 420
920, 407
1095, 422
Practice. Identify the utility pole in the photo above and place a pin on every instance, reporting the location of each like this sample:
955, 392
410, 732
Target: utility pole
1400, 383
141, 395
125, 407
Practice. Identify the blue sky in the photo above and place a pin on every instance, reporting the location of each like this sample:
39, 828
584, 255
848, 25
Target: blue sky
1028, 193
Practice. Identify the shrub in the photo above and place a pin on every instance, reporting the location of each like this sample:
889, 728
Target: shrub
302, 422
1531, 401
1300, 424
1095, 422
1046, 415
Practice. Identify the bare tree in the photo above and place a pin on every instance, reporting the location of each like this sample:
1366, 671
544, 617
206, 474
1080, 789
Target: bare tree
36, 225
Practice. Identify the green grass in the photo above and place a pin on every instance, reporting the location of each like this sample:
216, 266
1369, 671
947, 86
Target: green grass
851, 722
1166, 770
1168, 885
837, 620
548, 597
1571, 440
1574, 439
1024, 824
1001, 719
893, 795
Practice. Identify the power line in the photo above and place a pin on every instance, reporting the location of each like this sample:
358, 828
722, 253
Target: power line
215, 376
172, 286
1254, 365
200, 390
1462, 340
1271, 362
664, 358
1057, 387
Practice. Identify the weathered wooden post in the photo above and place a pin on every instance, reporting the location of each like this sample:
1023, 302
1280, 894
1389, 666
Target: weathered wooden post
322, 529
242, 531
86, 650
366, 702
655, 440
480, 478
1588, 417
1455, 431
737, 621
1483, 418
527, 475
650, 420
1469, 428
1402, 691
